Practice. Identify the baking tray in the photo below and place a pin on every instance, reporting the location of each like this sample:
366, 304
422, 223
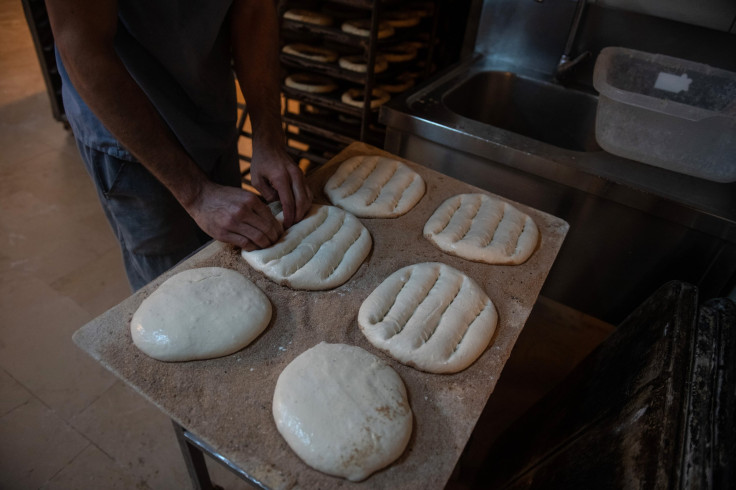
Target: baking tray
226, 402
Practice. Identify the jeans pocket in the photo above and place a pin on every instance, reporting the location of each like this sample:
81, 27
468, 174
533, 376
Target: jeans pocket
106, 170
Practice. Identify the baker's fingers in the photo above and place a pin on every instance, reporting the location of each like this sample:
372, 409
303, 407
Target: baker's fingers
302, 197
239, 241
296, 196
243, 213
265, 213
283, 187
261, 238
259, 226
267, 191
261, 180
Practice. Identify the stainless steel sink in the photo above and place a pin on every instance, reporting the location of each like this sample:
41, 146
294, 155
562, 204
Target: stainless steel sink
544, 111
516, 133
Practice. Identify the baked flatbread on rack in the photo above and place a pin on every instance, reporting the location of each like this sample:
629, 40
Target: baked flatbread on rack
362, 27
480, 228
308, 17
357, 63
402, 18
310, 82
356, 97
399, 53
313, 53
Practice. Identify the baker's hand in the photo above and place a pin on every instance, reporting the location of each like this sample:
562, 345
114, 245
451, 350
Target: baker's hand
236, 216
278, 178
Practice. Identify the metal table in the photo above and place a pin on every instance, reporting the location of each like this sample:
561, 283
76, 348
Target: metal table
225, 403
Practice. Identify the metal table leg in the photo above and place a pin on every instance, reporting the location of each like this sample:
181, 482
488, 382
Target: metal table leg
193, 449
194, 459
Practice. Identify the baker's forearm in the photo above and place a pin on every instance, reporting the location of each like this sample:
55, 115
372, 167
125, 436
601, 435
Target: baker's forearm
228, 214
108, 89
84, 31
255, 52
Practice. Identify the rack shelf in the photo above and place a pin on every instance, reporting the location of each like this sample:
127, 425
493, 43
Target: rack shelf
328, 125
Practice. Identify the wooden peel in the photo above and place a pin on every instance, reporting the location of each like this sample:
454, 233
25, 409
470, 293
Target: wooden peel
226, 402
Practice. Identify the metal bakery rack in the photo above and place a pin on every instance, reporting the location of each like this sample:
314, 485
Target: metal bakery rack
318, 126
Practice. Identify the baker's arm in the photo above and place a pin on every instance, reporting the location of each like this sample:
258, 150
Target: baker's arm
84, 31
254, 27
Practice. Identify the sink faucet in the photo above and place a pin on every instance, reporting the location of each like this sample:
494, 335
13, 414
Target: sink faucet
566, 61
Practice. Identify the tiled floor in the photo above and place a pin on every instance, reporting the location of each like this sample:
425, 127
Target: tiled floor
65, 422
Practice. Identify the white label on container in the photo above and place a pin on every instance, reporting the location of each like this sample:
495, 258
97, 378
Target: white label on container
672, 83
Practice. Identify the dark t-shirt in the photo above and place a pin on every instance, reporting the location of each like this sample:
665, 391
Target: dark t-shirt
179, 54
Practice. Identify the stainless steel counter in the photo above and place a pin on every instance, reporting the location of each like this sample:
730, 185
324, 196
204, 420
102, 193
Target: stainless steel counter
633, 226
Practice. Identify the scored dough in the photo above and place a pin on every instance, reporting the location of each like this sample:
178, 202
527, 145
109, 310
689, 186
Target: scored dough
342, 410
320, 252
482, 229
429, 316
371, 186
200, 314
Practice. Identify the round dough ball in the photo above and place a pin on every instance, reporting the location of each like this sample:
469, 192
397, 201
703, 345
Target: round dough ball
429, 316
480, 228
322, 251
200, 314
372, 186
342, 410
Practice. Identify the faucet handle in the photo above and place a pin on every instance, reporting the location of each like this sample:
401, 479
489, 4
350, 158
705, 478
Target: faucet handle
566, 64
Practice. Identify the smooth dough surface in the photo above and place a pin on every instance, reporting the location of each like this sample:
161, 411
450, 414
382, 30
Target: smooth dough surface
371, 186
342, 410
200, 314
429, 316
480, 228
322, 251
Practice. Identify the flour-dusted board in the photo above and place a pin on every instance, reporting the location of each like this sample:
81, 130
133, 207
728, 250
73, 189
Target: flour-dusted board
227, 401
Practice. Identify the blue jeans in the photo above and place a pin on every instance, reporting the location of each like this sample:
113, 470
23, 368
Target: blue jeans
153, 229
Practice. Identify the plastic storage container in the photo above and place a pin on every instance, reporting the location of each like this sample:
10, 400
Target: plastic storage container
668, 112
